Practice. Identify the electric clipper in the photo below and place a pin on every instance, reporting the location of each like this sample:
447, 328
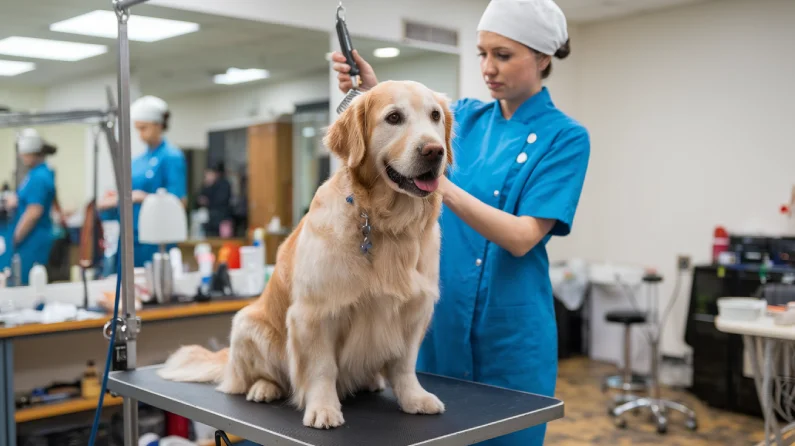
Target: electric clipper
347, 49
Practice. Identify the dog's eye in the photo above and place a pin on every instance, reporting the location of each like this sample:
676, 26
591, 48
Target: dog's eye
435, 115
394, 118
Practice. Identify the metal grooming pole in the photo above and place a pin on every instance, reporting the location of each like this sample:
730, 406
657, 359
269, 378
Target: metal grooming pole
127, 325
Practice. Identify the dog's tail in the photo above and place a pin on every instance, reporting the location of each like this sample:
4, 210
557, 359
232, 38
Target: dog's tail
194, 363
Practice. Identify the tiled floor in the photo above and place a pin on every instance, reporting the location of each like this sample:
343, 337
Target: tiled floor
587, 422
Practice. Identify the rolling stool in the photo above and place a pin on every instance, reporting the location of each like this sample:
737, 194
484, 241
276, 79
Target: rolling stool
658, 406
627, 382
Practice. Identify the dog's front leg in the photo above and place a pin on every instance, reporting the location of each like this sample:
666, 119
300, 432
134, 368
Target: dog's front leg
313, 367
411, 396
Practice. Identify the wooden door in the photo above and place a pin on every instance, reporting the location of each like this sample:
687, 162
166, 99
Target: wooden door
270, 179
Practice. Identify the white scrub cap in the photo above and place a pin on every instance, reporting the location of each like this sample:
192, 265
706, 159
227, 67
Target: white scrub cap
29, 142
539, 24
149, 109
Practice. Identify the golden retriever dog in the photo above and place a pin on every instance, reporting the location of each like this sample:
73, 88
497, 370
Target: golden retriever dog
355, 284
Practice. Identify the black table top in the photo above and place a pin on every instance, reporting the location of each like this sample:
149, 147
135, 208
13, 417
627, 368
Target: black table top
474, 412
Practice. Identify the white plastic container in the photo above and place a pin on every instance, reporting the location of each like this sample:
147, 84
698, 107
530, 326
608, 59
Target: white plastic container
741, 309
252, 263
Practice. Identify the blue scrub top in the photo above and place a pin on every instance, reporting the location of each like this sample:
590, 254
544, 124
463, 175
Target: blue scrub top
163, 166
38, 187
495, 320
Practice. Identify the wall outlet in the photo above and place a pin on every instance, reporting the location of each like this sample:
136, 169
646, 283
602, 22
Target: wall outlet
683, 262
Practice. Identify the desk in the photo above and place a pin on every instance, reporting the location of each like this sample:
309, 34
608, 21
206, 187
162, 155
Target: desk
757, 335
474, 412
10, 417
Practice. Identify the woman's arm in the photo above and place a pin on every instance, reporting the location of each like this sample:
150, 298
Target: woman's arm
28, 220
517, 235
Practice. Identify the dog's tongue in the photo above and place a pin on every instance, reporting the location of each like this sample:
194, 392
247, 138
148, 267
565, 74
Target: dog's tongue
427, 185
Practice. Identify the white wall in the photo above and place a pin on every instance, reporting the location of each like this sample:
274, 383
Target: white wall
438, 71
22, 98
689, 111
379, 19
194, 115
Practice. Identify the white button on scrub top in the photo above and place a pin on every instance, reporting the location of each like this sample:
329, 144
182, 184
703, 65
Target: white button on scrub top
531, 138
478, 262
521, 158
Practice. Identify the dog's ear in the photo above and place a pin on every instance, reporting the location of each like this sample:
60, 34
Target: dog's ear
347, 136
444, 101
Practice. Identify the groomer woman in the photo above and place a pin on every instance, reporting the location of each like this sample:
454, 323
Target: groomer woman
32, 231
162, 165
520, 168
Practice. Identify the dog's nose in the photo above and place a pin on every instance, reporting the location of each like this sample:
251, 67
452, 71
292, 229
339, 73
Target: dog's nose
431, 151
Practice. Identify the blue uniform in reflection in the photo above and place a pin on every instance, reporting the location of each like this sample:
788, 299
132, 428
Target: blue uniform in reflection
495, 320
38, 188
163, 166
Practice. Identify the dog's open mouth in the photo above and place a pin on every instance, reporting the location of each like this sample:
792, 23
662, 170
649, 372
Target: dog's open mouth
421, 185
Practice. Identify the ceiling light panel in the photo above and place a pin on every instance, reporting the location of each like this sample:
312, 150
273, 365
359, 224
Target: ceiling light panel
15, 67
386, 52
49, 49
101, 23
238, 76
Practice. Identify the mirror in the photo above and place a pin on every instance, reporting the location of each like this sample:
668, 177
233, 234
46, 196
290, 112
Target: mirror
249, 104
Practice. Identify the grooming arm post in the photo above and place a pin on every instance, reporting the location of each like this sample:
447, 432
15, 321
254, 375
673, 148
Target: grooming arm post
131, 324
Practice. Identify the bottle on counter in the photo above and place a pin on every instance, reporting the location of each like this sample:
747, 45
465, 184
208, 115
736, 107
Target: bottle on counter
90, 386
16, 269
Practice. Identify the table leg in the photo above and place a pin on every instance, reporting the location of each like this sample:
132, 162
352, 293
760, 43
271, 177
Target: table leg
8, 427
768, 386
750, 346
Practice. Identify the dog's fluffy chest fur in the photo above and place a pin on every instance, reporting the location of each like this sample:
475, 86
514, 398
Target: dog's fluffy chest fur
378, 296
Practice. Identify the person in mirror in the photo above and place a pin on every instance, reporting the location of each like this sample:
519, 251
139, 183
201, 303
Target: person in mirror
216, 196
520, 169
31, 233
161, 165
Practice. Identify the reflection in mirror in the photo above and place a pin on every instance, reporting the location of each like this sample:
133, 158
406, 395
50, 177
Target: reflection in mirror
242, 146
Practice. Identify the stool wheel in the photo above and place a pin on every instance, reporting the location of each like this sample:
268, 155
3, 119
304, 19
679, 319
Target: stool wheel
621, 423
691, 424
662, 428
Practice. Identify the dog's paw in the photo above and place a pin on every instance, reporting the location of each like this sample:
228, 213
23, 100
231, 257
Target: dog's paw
264, 390
323, 417
422, 403
378, 384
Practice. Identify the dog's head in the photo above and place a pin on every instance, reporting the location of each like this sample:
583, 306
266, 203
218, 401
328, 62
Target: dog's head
399, 132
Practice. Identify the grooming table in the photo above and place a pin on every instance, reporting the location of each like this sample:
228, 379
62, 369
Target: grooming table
474, 412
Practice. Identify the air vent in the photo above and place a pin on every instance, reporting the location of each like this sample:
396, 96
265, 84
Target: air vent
430, 34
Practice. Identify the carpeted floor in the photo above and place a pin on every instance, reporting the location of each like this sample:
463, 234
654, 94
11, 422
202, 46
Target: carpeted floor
587, 421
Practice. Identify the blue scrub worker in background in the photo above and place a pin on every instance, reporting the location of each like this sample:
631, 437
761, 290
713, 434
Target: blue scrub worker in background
31, 233
520, 168
162, 165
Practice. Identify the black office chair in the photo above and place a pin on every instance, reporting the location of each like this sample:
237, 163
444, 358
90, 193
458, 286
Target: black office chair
627, 381
658, 406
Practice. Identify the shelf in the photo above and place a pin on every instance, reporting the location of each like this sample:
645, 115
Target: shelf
168, 312
232, 438
63, 408
474, 412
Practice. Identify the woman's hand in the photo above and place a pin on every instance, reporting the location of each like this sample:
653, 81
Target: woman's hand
366, 72
12, 201
109, 201
444, 187
138, 196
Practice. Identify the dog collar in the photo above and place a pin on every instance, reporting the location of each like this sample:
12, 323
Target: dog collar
366, 244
